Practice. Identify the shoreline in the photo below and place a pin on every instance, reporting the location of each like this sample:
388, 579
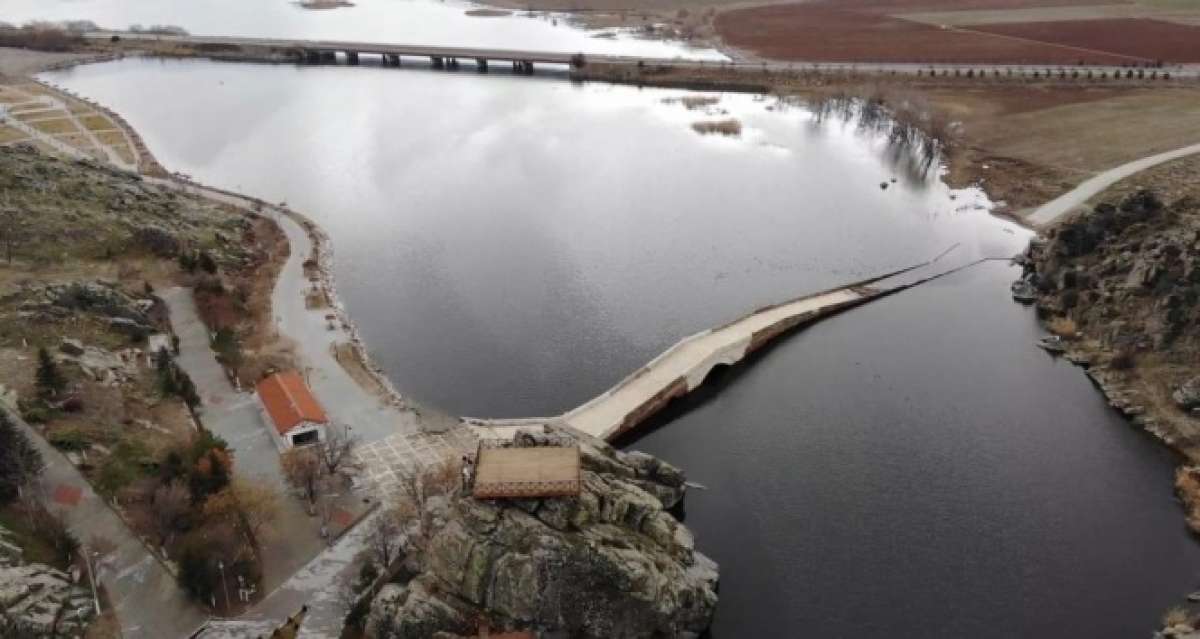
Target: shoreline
1109, 384
323, 252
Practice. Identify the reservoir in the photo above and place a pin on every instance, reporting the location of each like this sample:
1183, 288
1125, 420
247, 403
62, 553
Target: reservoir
511, 246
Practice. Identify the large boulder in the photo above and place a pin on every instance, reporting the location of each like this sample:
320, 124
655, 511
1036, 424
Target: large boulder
157, 239
97, 298
1187, 396
611, 563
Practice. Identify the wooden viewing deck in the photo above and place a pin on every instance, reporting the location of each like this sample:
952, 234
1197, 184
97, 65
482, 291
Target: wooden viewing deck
514, 472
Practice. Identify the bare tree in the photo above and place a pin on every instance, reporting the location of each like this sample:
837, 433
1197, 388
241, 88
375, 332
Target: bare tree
384, 538
170, 506
335, 449
417, 489
249, 507
304, 471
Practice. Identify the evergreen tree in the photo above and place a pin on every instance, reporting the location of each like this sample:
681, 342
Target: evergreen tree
50, 381
20, 462
167, 383
187, 390
207, 262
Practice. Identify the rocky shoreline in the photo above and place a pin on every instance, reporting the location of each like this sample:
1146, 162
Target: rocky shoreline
1119, 288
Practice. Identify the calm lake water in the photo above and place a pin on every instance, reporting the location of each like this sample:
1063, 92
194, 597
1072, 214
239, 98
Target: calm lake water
511, 246
433, 22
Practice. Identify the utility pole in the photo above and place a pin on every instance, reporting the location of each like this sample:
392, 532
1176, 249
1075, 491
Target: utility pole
224, 586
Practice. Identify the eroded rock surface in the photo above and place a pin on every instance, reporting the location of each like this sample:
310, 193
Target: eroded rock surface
37, 600
610, 563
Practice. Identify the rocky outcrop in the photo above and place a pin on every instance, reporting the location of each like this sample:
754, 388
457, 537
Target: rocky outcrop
1127, 275
102, 299
37, 600
610, 563
1125, 279
1187, 396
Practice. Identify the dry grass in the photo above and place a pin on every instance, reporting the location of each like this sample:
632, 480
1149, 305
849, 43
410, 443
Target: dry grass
1175, 616
97, 122
112, 138
315, 299
105, 626
9, 134
1063, 327
18, 104
730, 127
55, 126
125, 154
694, 102
348, 358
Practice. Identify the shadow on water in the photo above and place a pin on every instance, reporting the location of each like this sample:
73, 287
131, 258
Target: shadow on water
720, 378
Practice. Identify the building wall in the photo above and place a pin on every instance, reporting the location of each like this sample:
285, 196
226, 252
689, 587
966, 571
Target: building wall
284, 442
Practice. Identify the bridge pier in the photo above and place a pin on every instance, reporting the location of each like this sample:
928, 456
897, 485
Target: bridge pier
329, 57
351, 57
391, 59
312, 57
523, 66
436, 61
481, 65
452, 64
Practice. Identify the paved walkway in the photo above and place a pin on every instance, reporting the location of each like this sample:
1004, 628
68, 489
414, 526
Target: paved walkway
148, 602
371, 417
317, 585
688, 362
1077, 197
295, 536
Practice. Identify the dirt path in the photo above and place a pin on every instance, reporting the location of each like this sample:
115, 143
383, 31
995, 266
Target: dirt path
1077, 197
148, 601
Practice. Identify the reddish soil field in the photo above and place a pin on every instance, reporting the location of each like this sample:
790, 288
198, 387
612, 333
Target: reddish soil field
1150, 39
894, 6
820, 33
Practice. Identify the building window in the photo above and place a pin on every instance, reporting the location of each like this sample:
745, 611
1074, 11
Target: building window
305, 438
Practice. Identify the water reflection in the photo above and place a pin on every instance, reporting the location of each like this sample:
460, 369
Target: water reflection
512, 245
433, 22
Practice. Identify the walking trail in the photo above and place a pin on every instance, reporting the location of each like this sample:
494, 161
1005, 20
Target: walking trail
148, 602
1077, 197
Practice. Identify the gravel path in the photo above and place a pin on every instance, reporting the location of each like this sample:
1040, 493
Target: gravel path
1077, 197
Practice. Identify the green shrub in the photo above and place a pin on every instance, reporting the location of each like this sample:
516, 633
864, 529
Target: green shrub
72, 440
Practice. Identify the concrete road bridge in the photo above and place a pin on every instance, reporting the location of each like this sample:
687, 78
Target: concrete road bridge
326, 51
523, 61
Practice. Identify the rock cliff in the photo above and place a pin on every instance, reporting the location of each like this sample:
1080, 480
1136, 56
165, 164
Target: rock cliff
609, 563
1121, 285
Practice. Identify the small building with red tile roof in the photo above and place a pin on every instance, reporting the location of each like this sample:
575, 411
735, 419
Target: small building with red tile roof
292, 414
